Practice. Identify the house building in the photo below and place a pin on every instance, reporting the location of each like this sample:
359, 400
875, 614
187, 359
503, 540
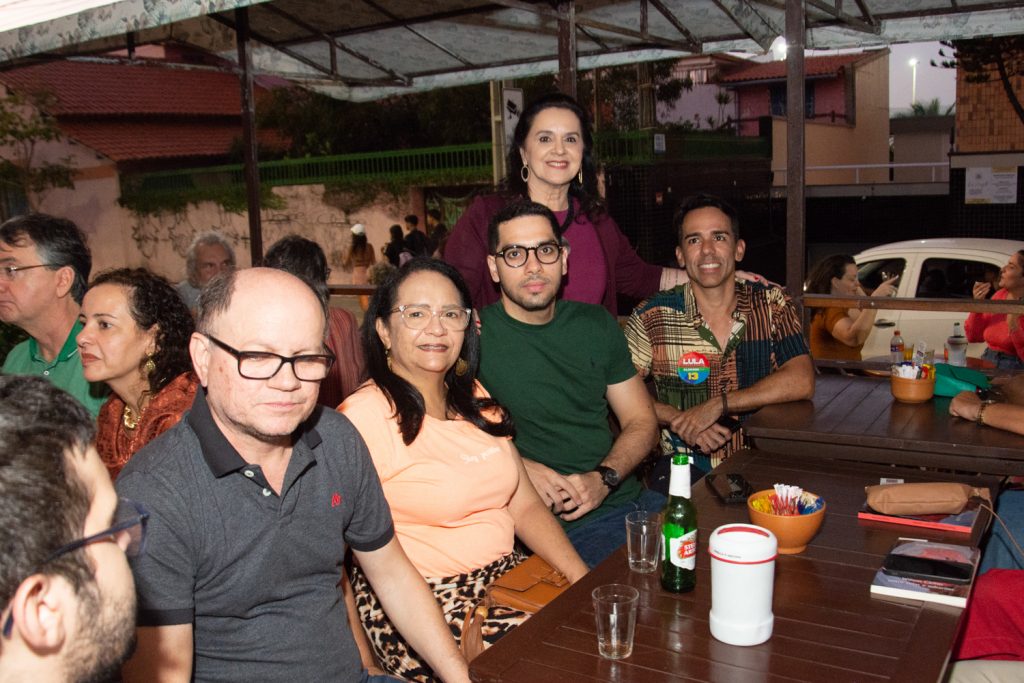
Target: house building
847, 114
705, 103
924, 140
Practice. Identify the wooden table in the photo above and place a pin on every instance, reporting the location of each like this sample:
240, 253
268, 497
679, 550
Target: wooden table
828, 628
856, 418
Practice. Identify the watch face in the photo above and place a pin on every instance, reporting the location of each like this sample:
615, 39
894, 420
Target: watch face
609, 476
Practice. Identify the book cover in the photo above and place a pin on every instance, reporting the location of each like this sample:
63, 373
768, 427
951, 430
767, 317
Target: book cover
961, 522
914, 569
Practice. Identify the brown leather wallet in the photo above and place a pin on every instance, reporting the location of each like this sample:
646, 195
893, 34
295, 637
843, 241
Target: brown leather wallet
529, 586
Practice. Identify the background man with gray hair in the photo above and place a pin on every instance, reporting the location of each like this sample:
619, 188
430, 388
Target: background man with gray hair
209, 255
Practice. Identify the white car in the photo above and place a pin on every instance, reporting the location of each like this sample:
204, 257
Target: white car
933, 268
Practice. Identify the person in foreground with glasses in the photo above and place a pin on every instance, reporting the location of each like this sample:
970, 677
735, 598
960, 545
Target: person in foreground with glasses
67, 596
44, 268
255, 496
456, 485
560, 367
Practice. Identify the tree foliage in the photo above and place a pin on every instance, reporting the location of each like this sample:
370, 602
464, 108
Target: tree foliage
931, 108
24, 124
984, 60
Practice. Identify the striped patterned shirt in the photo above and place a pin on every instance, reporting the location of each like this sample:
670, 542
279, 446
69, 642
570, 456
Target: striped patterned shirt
670, 342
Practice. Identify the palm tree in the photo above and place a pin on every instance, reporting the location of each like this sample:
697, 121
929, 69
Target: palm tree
932, 108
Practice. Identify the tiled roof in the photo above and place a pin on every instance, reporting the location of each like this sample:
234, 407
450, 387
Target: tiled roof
122, 140
86, 88
770, 71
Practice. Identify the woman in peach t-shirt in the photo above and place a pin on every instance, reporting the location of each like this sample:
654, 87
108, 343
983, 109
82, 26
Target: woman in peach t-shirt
457, 489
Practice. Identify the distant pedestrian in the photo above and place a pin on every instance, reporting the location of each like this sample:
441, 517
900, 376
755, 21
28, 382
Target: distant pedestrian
359, 258
437, 232
416, 242
393, 249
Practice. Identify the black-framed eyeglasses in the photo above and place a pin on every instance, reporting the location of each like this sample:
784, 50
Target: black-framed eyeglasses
418, 316
128, 531
264, 365
516, 256
10, 271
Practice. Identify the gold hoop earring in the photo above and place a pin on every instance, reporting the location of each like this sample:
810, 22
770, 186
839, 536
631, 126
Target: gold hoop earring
524, 173
149, 366
580, 175
387, 355
461, 367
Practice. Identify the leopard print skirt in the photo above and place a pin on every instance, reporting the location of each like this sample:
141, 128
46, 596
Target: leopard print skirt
455, 594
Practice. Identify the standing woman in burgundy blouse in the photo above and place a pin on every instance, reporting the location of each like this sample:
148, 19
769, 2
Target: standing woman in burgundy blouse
135, 338
551, 162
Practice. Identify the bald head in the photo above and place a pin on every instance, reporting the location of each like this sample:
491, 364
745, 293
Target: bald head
252, 292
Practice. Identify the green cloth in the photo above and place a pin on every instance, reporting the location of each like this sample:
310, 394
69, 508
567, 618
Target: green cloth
553, 378
65, 371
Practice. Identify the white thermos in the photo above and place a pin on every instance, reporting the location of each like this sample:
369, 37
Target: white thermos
742, 579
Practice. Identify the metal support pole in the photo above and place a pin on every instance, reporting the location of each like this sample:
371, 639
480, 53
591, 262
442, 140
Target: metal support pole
251, 156
497, 133
567, 48
795, 204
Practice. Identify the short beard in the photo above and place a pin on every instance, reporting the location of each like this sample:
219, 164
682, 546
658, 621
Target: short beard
526, 305
105, 638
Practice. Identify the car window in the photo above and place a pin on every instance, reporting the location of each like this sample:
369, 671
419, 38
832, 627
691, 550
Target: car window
873, 273
947, 278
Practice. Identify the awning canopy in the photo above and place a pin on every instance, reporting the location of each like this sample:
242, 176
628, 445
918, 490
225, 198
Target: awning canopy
368, 49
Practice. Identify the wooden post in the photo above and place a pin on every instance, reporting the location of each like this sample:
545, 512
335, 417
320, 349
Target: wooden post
795, 206
567, 48
250, 154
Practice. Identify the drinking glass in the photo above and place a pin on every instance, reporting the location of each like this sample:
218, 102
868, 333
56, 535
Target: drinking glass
643, 540
615, 614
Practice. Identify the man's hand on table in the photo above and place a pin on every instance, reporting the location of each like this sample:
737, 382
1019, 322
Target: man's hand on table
966, 404
689, 424
592, 490
556, 490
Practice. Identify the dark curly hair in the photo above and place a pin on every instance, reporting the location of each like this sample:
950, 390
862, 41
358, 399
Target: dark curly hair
153, 301
586, 192
406, 399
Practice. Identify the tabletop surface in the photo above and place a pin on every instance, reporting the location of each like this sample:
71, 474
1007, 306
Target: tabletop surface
828, 628
859, 419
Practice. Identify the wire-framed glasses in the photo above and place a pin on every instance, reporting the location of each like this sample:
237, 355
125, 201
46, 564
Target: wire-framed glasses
516, 256
128, 531
418, 316
311, 367
10, 272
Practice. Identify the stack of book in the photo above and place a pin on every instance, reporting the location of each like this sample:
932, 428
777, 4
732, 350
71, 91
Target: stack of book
916, 569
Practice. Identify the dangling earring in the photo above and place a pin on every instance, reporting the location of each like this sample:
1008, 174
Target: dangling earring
524, 173
149, 366
580, 175
461, 367
387, 354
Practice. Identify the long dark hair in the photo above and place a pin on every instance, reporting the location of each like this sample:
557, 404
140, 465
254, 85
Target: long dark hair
586, 192
403, 396
153, 301
819, 281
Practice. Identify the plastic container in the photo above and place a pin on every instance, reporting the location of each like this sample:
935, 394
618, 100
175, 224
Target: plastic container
742, 580
912, 390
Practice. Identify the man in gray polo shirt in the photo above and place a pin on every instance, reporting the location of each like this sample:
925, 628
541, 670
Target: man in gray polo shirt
253, 498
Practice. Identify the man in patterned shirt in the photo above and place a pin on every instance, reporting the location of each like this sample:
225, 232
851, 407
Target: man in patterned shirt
717, 346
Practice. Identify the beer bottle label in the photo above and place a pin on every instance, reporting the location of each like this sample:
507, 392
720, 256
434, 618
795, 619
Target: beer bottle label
684, 550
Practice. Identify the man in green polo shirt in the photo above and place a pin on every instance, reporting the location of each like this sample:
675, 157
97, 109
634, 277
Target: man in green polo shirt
44, 268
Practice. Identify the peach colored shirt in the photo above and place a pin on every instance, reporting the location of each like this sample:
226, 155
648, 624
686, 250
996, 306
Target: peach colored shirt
448, 490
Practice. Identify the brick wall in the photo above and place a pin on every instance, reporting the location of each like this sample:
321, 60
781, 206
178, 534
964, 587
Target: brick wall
985, 121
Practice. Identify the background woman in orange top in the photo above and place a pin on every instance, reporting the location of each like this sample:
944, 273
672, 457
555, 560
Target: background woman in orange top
135, 338
840, 333
456, 485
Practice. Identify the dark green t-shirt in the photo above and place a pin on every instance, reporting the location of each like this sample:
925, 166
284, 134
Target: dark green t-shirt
553, 378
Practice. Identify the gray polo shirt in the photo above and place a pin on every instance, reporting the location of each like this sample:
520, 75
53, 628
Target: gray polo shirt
256, 574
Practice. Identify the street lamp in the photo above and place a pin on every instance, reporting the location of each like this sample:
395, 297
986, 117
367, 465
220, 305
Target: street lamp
913, 81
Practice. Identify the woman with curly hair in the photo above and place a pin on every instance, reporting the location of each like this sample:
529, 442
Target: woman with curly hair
135, 338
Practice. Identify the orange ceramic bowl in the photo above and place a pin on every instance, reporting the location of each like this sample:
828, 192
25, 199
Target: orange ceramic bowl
794, 532
912, 390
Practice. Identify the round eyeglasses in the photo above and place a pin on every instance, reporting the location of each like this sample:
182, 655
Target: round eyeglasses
418, 316
516, 256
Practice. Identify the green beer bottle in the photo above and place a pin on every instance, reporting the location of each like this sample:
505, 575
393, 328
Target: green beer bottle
679, 530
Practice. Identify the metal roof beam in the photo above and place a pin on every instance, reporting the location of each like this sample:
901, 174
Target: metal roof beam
334, 45
598, 25
754, 24
459, 58
678, 25
851, 21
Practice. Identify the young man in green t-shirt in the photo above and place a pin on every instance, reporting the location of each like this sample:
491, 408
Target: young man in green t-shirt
559, 366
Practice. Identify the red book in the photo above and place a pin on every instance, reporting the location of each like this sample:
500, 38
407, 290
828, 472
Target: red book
961, 522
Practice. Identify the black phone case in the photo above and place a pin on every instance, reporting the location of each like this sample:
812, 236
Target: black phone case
928, 569
730, 488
